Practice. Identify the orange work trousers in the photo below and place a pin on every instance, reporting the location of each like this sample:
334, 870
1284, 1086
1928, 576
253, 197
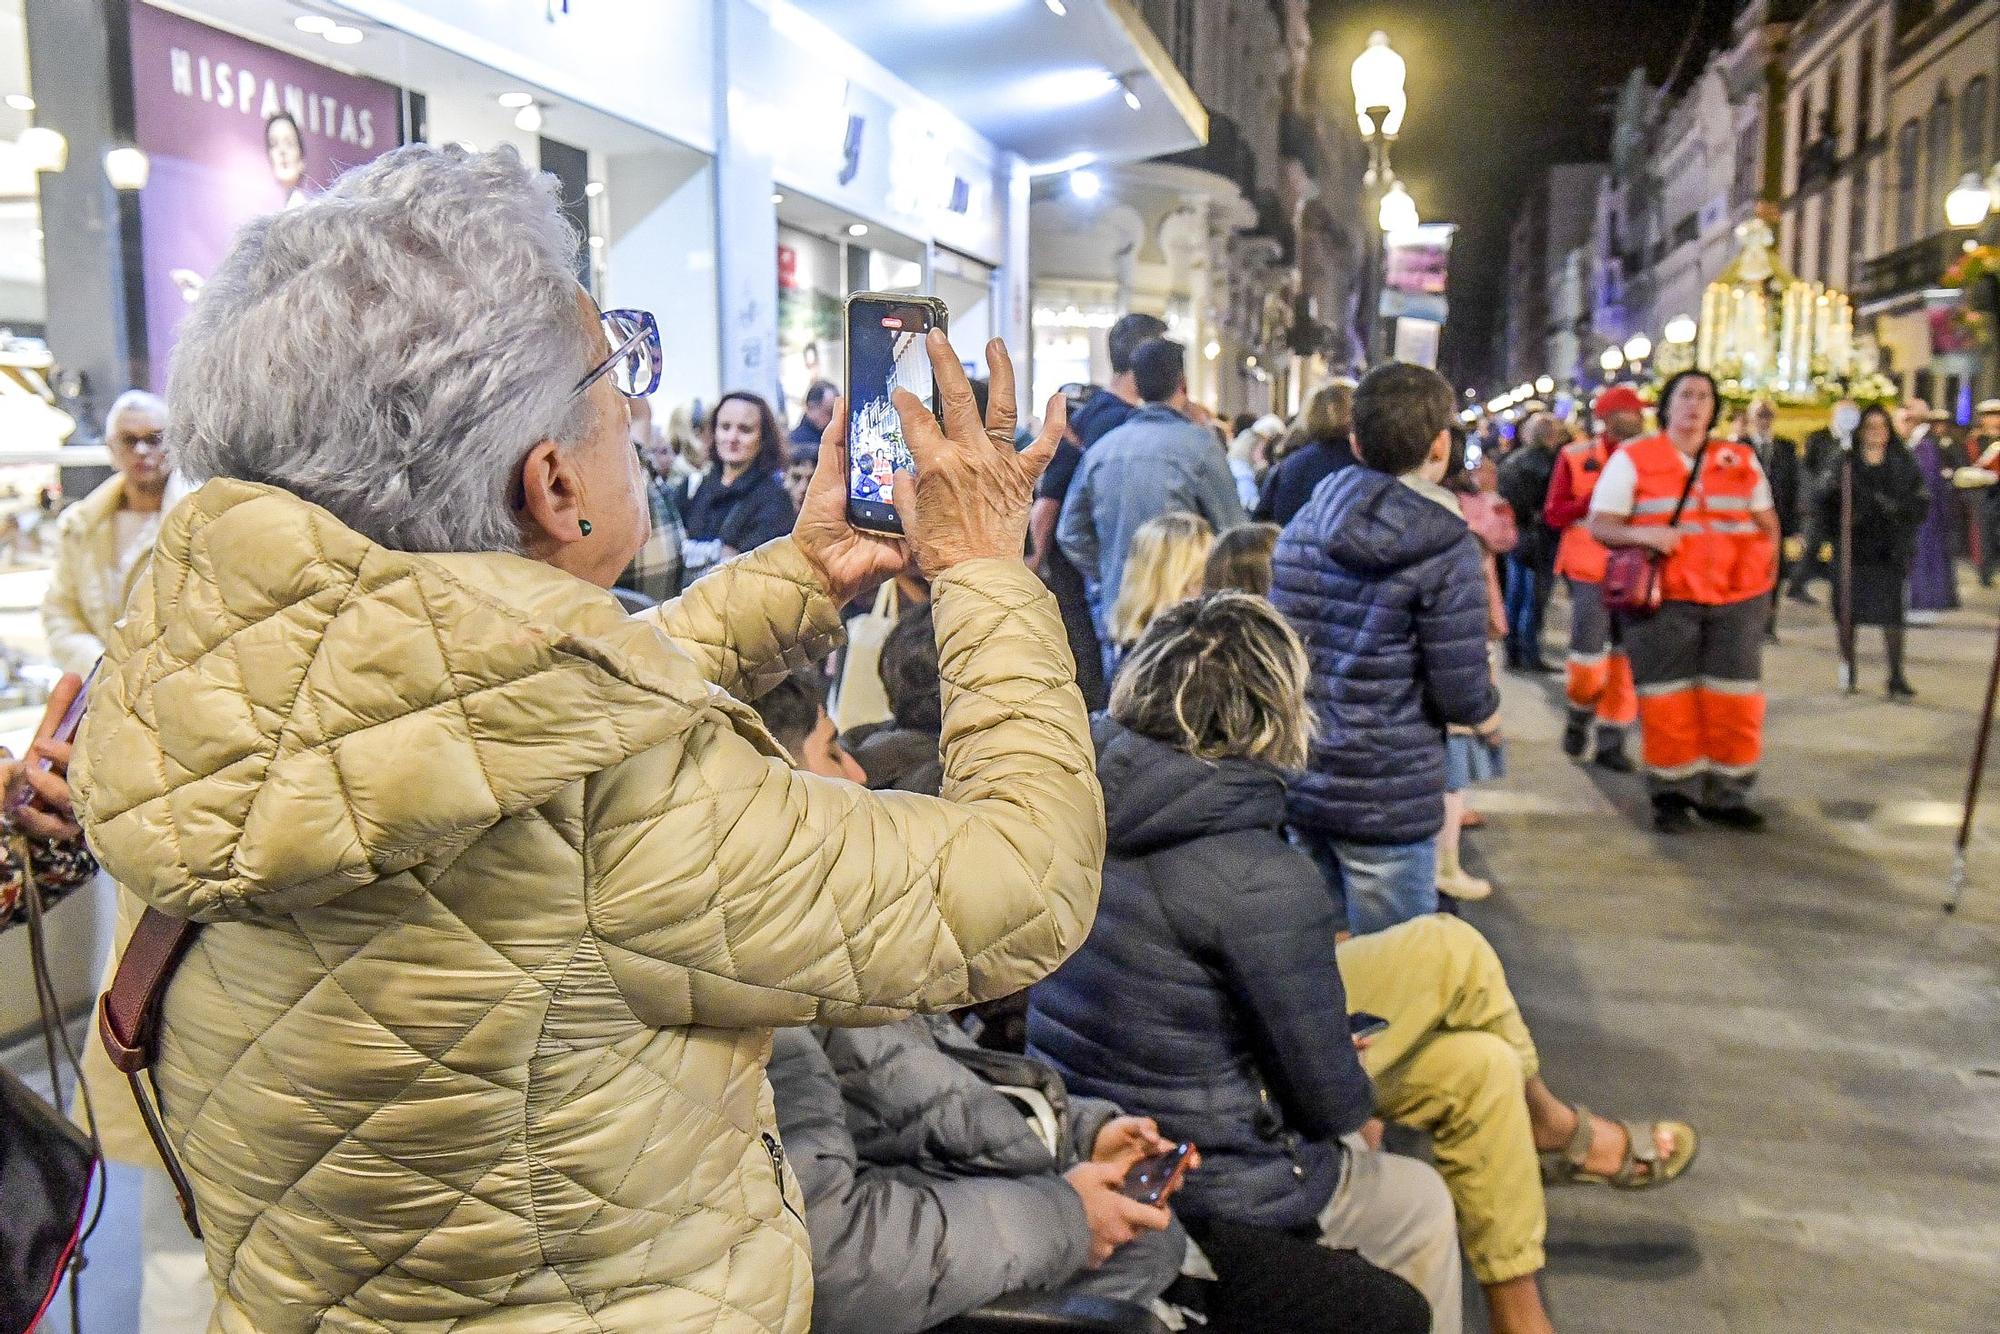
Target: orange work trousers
1698, 670
1600, 675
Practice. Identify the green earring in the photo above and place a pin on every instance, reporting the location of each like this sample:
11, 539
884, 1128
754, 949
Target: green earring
583, 526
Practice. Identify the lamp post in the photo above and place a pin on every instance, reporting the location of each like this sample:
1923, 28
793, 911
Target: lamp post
1379, 104
1612, 361
1637, 348
1968, 207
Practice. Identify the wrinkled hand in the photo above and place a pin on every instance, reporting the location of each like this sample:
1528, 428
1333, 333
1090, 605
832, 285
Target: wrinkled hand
38, 800
1113, 1220
972, 492
850, 561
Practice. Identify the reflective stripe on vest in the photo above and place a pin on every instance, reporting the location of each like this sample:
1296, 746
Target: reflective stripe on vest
1582, 557
1724, 555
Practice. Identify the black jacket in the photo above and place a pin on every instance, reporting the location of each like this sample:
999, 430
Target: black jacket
1290, 485
1388, 590
1525, 475
1784, 469
742, 516
1207, 993
1890, 503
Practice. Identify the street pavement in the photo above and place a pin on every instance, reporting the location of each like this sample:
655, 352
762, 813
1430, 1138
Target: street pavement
1799, 996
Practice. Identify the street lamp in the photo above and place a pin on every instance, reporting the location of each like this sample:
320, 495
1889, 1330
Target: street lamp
1545, 384
1681, 329
1397, 212
1968, 205
1379, 105
1611, 361
1637, 348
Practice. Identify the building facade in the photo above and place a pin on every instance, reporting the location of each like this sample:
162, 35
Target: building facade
1247, 245
1937, 63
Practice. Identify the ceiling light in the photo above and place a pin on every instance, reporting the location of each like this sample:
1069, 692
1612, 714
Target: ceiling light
342, 35
597, 243
1056, 7
317, 24
20, 101
1211, 350
528, 119
515, 101
593, 189
127, 168
777, 198
857, 229
1131, 98
43, 149
1085, 184
1250, 362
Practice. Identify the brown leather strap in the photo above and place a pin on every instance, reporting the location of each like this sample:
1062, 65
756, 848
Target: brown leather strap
128, 1023
129, 1013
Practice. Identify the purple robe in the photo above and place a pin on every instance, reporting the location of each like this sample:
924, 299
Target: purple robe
1933, 573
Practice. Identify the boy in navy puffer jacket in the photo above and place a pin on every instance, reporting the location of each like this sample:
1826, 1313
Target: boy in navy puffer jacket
1384, 586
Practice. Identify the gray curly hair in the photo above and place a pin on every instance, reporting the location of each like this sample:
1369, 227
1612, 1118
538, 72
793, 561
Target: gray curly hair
390, 350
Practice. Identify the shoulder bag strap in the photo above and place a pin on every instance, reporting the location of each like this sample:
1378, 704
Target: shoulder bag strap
1694, 474
128, 1021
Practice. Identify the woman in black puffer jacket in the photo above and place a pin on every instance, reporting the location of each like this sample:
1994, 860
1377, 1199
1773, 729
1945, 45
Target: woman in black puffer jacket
1211, 993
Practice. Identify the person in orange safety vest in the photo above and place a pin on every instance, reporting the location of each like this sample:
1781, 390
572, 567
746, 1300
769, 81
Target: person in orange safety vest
1697, 662
1600, 675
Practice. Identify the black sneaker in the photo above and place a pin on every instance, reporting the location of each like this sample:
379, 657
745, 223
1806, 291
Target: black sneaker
1741, 818
1673, 815
1576, 736
1611, 755
1901, 689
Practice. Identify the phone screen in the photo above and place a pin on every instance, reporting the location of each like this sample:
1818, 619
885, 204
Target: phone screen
885, 351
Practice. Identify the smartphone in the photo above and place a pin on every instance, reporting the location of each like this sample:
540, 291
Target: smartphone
1151, 1178
65, 731
885, 351
1362, 1024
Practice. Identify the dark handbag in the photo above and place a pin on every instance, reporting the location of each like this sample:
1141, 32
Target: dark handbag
47, 1166
1631, 584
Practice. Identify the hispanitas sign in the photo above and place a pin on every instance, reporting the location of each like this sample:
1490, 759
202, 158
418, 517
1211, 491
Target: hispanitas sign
235, 130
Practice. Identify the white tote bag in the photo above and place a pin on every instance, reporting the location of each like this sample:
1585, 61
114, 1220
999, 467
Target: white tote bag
860, 699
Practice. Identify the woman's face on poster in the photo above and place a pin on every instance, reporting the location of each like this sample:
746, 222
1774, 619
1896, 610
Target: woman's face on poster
288, 157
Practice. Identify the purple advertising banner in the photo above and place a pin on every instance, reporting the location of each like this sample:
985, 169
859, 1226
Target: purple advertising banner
235, 130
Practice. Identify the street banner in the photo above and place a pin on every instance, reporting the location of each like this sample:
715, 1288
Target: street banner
234, 130
1419, 260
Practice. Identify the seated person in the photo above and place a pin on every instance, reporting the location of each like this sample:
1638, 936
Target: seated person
795, 711
901, 752
1208, 993
939, 1176
971, 1215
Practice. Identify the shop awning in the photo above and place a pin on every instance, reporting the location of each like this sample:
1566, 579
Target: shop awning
1090, 84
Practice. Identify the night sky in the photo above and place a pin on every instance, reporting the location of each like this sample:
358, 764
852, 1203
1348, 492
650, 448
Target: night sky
1495, 90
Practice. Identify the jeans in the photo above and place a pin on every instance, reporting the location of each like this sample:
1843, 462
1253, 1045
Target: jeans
1378, 884
1527, 599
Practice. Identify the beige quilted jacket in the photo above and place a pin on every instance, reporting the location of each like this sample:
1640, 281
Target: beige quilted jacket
505, 894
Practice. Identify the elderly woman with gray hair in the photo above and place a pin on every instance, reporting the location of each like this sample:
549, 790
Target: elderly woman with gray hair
503, 891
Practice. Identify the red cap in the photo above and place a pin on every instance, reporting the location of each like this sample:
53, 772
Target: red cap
1617, 398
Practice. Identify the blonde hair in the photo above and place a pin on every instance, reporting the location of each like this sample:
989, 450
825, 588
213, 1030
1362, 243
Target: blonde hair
1221, 677
1164, 567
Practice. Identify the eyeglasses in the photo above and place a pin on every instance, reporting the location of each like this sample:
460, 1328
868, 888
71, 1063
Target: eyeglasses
144, 440
634, 363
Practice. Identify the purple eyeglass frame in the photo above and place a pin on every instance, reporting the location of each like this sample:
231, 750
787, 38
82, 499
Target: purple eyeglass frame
646, 337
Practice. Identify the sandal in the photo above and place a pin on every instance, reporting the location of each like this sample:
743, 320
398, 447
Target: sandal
1643, 1168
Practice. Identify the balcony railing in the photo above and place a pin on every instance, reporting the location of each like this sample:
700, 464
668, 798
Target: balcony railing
1911, 269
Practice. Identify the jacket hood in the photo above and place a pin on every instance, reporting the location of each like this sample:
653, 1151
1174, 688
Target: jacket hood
290, 712
1158, 797
1373, 524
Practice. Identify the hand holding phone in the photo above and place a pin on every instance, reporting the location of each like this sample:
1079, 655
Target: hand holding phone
1362, 1024
38, 795
1151, 1180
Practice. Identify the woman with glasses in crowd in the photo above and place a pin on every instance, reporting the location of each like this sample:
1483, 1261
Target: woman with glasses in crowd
502, 891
